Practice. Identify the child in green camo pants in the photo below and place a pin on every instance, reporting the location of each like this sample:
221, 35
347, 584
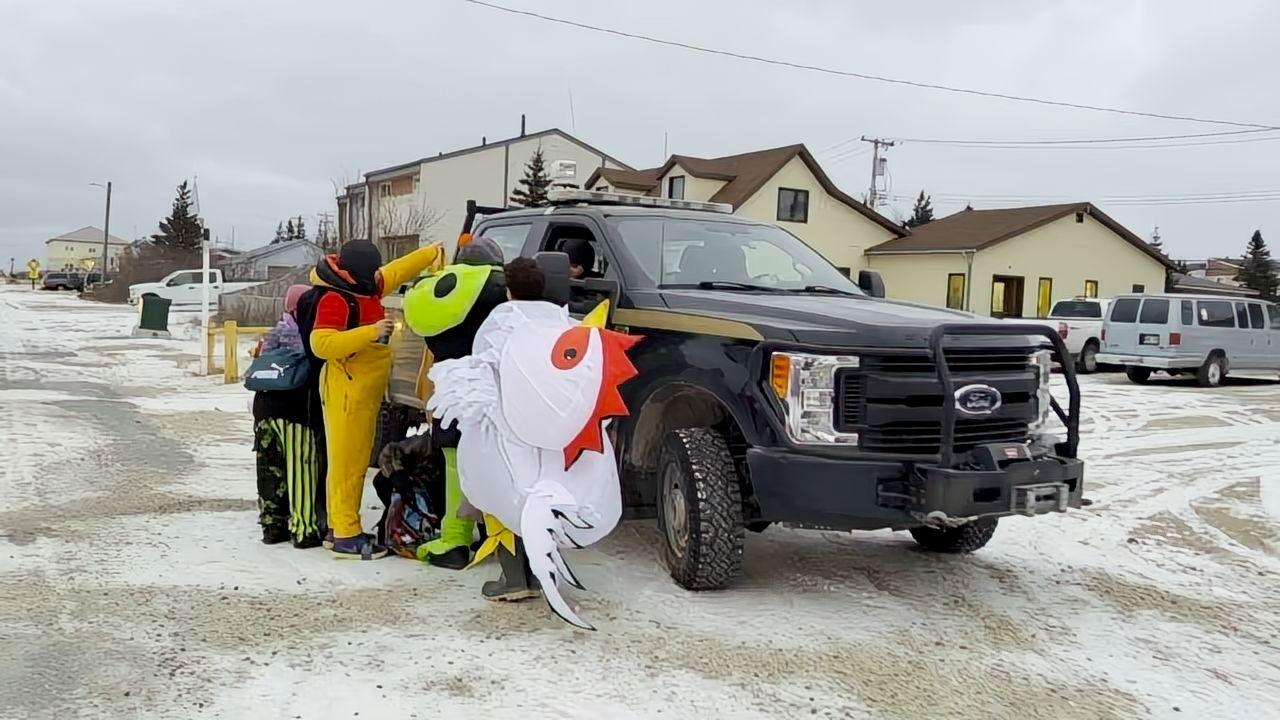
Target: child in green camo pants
289, 441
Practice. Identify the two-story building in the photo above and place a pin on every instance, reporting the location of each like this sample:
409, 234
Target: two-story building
784, 186
423, 201
82, 250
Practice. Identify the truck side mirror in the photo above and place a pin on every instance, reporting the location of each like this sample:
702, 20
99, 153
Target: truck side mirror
555, 271
871, 283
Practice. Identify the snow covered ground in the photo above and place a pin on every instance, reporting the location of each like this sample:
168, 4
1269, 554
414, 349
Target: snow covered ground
132, 582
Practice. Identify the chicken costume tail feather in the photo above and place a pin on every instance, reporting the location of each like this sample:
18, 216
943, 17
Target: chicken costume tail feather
538, 529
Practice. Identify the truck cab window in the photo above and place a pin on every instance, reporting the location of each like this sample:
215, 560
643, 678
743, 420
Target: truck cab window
509, 237
582, 247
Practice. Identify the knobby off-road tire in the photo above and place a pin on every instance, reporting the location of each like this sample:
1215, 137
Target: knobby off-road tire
963, 539
700, 510
1212, 372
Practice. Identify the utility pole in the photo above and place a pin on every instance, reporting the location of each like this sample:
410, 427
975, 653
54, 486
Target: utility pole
106, 236
873, 195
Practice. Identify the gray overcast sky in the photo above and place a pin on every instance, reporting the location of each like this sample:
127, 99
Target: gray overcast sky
270, 102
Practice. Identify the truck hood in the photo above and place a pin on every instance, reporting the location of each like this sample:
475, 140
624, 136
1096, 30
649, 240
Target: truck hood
139, 288
834, 320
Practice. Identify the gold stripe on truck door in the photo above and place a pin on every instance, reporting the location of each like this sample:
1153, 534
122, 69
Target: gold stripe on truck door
680, 322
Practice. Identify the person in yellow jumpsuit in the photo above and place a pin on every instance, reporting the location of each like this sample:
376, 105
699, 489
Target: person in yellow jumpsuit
349, 333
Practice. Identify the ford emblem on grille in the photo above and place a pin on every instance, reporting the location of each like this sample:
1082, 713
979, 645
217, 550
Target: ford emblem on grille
978, 400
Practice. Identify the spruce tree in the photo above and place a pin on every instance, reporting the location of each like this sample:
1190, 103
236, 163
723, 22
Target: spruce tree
290, 233
279, 234
533, 186
922, 213
300, 230
181, 230
1257, 272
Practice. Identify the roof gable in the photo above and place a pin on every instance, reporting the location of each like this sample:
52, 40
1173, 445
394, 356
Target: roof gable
975, 230
387, 172
743, 175
88, 233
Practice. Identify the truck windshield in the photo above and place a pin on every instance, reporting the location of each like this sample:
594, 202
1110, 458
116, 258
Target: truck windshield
687, 253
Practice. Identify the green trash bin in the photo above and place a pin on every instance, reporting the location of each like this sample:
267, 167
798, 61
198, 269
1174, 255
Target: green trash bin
153, 317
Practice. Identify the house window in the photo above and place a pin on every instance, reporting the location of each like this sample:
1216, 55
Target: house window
1091, 288
1044, 297
675, 187
793, 205
1139, 288
955, 291
384, 189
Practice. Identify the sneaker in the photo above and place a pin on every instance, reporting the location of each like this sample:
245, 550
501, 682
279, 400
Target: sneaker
275, 535
328, 540
360, 547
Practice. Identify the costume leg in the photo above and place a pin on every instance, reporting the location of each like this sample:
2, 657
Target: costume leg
455, 531
300, 473
349, 428
273, 500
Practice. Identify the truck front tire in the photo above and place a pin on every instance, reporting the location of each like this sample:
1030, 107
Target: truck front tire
700, 510
964, 539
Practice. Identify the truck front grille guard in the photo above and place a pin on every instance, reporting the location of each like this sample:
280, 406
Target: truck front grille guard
1071, 418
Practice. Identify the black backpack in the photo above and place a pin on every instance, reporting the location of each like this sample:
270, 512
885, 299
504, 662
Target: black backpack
305, 314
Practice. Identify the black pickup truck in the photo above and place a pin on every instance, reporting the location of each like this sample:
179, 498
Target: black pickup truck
772, 388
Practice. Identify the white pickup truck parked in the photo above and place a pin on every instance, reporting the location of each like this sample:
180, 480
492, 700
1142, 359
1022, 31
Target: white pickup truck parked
1080, 327
184, 289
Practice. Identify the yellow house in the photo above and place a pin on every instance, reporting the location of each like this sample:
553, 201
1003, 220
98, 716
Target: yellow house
784, 186
1016, 262
82, 250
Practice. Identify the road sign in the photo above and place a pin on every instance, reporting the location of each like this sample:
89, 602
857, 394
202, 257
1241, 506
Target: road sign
33, 268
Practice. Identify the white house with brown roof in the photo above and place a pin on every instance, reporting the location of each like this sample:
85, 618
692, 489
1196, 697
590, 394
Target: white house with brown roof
1015, 262
784, 186
424, 200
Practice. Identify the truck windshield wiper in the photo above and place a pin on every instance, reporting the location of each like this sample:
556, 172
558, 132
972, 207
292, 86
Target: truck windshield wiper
732, 285
826, 290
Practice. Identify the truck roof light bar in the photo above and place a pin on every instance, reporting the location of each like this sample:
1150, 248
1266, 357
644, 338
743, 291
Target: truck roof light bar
592, 197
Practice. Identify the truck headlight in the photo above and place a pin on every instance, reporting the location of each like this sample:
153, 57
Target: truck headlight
1042, 362
806, 385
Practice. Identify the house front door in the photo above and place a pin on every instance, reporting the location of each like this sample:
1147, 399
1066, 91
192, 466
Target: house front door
1006, 296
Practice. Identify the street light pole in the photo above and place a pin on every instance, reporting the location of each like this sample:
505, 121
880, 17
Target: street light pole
106, 235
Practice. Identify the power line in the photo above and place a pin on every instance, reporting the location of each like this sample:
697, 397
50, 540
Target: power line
1083, 141
1147, 146
1111, 201
863, 76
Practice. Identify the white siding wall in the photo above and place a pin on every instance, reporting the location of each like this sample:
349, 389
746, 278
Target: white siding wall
445, 186
834, 229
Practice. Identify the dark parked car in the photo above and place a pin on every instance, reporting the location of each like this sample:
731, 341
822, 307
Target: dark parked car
60, 280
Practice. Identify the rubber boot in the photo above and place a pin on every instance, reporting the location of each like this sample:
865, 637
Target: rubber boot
452, 549
515, 583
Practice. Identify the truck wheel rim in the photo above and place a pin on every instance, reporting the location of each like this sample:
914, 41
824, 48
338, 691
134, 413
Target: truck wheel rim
675, 510
1090, 359
1215, 373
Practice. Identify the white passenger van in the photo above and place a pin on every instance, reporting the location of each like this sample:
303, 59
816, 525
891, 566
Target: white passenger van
1207, 335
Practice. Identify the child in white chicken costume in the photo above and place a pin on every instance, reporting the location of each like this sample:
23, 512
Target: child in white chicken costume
532, 402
